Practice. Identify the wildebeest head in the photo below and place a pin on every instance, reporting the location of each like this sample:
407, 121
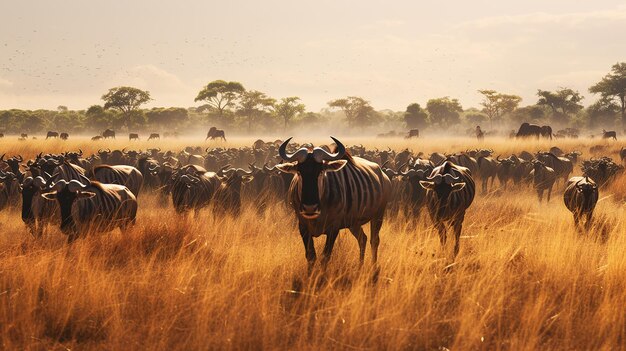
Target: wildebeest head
65, 193
310, 164
29, 188
442, 181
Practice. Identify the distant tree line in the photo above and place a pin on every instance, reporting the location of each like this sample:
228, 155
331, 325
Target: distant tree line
230, 105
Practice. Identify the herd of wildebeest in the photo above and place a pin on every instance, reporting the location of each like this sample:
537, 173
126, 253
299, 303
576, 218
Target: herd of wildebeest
329, 188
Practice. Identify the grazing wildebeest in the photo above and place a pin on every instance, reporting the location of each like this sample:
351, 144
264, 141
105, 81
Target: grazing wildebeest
24, 135
480, 135
562, 166
215, 133
133, 136
330, 192
529, 130
609, 134
413, 133
92, 207
450, 192
109, 133
52, 134
128, 176
154, 136
581, 196
97, 138
64, 136
543, 178
36, 211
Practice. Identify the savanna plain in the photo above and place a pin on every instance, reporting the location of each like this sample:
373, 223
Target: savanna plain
524, 278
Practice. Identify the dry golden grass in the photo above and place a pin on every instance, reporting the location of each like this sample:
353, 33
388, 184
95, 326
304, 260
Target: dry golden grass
524, 278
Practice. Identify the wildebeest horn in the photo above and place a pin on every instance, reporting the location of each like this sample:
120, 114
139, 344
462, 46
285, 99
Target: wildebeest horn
58, 186
320, 154
437, 178
39, 182
498, 158
299, 155
240, 172
220, 172
80, 152
75, 185
153, 167
187, 179
2, 157
20, 158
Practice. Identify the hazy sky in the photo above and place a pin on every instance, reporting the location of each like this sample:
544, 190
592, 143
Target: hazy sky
69, 52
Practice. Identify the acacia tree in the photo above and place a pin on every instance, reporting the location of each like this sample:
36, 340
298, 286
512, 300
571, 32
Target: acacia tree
563, 102
220, 95
495, 105
127, 100
613, 86
415, 116
357, 110
253, 104
444, 111
288, 107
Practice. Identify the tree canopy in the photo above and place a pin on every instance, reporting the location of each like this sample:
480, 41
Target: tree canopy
127, 100
495, 104
562, 102
253, 105
444, 111
288, 107
613, 86
415, 117
357, 110
220, 95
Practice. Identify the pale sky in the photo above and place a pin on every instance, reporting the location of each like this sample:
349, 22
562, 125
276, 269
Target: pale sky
70, 52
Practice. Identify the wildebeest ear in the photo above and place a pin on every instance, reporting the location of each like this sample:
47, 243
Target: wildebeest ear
50, 196
247, 178
428, 185
334, 166
86, 194
458, 186
289, 167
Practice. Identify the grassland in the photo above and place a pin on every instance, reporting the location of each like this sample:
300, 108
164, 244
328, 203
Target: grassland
524, 278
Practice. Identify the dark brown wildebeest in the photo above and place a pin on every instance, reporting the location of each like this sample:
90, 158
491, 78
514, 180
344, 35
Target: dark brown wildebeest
23, 135
52, 134
64, 136
529, 130
154, 136
609, 134
413, 133
97, 138
622, 154
109, 133
215, 133
581, 196
330, 192
543, 178
133, 136
1, 135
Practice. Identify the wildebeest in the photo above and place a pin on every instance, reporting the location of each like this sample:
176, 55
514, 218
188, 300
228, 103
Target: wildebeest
487, 169
36, 211
97, 138
154, 136
562, 166
128, 176
450, 192
24, 135
505, 171
609, 134
413, 133
133, 136
52, 134
215, 133
192, 187
227, 197
543, 178
529, 130
622, 154
92, 207
1, 135
64, 136
330, 192
581, 196
109, 133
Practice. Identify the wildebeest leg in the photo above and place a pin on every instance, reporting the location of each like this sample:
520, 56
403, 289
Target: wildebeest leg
331, 236
441, 230
588, 220
549, 192
540, 194
485, 180
577, 222
359, 234
458, 226
308, 246
375, 225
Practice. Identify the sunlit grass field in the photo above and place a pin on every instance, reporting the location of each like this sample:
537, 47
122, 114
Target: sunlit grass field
524, 278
